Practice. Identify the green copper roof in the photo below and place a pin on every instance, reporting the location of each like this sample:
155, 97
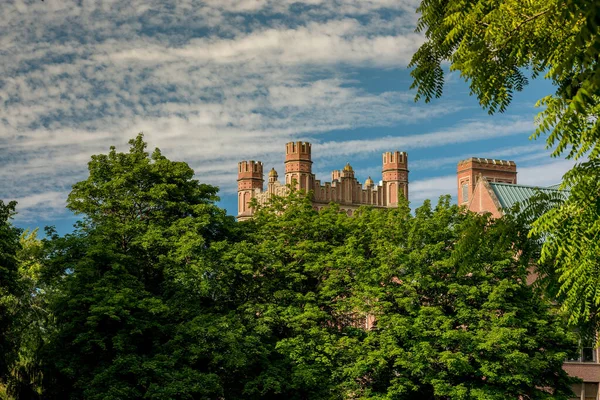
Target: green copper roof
509, 194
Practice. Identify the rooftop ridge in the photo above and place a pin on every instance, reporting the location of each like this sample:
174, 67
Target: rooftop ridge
487, 161
527, 186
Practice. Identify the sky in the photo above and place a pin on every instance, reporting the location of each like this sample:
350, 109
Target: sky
215, 82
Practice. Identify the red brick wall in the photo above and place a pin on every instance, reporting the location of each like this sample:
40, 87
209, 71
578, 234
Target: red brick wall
588, 372
467, 172
482, 201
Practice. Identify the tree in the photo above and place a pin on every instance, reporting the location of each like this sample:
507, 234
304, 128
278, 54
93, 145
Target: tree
135, 307
34, 320
159, 295
283, 277
10, 290
455, 317
494, 45
389, 305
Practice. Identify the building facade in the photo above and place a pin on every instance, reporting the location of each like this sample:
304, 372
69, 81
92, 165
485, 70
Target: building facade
486, 185
343, 189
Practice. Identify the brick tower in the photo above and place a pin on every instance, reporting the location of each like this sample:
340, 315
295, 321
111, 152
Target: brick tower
298, 165
395, 176
469, 170
250, 178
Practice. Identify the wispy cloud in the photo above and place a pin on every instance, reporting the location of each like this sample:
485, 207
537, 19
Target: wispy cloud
431, 188
515, 153
51, 204
209, 82
203, 79
465, 132
545, 174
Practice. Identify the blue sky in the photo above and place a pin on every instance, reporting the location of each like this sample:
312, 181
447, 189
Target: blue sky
218, 81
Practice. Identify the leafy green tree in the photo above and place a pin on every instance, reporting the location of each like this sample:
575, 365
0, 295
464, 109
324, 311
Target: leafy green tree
136, 310
159, 295
34, 320
455, 318
10, 291
389, 305
280, 270
494, 45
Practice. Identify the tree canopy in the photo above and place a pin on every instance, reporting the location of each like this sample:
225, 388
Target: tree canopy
159, 295
385, 304
11, 290
496, 46
134, 284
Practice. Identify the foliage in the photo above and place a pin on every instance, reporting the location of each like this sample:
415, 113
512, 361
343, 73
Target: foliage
159, 295
494, 44
455, 317
134, 312
451, 313
10, 290
34, 320
283, 271
569, 260
573, 243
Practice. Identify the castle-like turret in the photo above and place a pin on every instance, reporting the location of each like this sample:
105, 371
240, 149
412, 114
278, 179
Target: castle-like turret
250, 181
344, 189
348, 171
395, 176
298, 165
272, 181
273, 175
468, 170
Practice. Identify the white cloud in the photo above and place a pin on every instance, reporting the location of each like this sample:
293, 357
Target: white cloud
545, 174
49, 204
431, 188
209, 82
342, 6
335, 42
465, 132
518, 154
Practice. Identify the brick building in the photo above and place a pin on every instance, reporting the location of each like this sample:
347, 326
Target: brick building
343, 189
486, 185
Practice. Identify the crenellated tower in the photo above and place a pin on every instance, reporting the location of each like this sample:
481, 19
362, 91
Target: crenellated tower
250, 180
467, 172
298, 165
395, 176
344, 189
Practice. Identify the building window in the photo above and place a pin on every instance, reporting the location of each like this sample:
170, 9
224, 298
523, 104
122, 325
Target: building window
393, 193
585, 391
587, 352
586, 355
465, 192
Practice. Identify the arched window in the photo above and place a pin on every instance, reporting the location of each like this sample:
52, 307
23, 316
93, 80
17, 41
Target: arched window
393, 190
465, 192
246, 200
